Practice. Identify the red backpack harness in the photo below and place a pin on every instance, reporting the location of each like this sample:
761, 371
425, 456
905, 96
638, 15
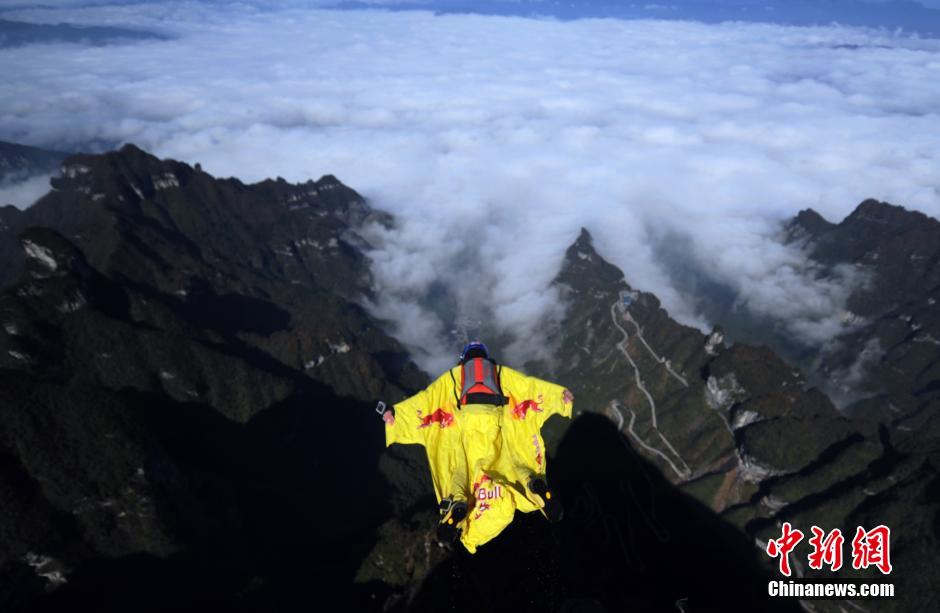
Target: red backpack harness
479, 383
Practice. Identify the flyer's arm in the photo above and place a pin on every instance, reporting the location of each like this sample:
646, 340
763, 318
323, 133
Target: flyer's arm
404, 429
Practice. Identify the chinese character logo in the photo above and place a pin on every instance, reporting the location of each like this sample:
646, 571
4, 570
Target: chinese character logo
872, 548
869, 548
783, 546
826, 550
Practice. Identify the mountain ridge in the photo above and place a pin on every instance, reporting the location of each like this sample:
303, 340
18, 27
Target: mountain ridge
185, 415
162, 385
741, 430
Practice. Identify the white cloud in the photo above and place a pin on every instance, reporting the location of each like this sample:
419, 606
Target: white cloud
22, 193
493, 139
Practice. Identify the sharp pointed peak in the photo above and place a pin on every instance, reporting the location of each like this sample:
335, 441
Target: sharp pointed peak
583, 260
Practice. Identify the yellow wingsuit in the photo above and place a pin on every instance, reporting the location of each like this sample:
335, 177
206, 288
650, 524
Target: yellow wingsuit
482, 454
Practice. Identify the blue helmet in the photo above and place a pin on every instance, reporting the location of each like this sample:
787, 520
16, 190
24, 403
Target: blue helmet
474, 349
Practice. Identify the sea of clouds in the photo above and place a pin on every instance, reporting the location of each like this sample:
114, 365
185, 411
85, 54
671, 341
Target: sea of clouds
493, 140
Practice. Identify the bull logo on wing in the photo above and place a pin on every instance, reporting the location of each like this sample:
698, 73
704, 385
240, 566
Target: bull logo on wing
440, 417
520, 410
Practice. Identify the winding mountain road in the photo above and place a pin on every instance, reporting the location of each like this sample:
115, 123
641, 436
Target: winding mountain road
683, 472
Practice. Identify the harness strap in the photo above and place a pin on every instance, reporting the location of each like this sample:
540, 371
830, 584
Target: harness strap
456, 395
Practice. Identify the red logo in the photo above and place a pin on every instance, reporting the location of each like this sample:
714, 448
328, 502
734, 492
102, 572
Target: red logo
872, 548
440, 416
482, 495
869, 548
783, 546
519, 411
538, 449
828, 550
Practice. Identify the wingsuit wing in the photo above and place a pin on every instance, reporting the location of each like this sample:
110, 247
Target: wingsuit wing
547, 396
429, 418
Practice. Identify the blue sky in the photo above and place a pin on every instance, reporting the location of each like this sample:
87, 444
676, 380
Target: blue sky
912, 15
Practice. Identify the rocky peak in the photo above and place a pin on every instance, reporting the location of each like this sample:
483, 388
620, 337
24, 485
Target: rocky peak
170, 341
885, 218
894, 251
213, 258
884, 363
871, 225
740, 429
808, 222
125, 176
583, 268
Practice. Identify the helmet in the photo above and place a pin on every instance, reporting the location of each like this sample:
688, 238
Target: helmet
474, 349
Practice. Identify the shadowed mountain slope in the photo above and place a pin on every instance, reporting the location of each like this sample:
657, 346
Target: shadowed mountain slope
183, 400
630, 541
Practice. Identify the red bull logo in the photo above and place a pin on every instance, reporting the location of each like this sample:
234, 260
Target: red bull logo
483, 495
477, 484
440, 417
520, 410
489, 494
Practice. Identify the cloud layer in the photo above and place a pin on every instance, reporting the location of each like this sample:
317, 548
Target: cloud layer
494, 139
22, 193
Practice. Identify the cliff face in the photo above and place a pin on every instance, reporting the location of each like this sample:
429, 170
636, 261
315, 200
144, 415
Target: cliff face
887, 364
187, 389
745, 433
272, 265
